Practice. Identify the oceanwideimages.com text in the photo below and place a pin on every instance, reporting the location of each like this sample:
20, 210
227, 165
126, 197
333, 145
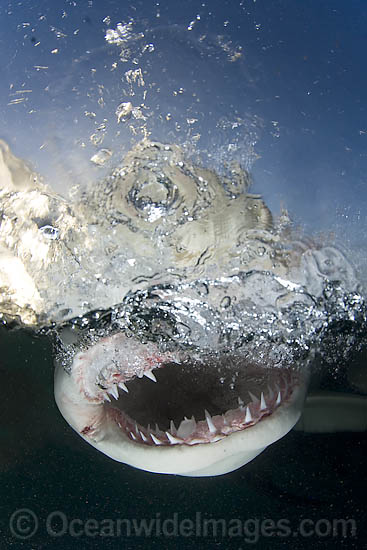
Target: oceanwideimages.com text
25, 524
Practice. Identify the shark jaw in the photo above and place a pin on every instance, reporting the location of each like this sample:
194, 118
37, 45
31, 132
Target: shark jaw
169, 414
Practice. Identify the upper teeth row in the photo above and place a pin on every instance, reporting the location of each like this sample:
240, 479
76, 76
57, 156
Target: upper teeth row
112, 390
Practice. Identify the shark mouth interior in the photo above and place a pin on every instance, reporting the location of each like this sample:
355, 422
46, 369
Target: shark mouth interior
191, 402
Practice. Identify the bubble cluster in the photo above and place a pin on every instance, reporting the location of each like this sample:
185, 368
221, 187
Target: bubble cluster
170, 251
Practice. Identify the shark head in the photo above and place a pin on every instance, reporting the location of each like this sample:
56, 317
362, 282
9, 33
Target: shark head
174, 414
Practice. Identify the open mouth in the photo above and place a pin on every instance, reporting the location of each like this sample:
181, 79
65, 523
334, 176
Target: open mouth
161, 400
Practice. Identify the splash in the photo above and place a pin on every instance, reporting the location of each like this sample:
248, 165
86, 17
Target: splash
161, 230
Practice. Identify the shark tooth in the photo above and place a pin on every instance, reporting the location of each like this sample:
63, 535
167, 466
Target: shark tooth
210, 423
240, 402
157, 430
263, 405
248, 416
123, 387
173, 439
279, 398
144, 438
149, 374
253, 397
172, 428
113, 391
156, 440
133, 436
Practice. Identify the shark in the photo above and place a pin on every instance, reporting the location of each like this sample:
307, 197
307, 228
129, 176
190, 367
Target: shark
134, 411
128, 400
216, 311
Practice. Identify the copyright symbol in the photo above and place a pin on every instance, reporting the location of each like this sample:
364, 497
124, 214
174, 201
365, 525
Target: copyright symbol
23, 523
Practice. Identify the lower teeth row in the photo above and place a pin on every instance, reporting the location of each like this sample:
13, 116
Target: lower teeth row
188, 426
